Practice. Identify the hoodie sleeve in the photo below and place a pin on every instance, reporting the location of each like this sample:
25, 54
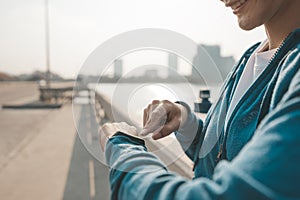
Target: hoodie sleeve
266, 168
189, 135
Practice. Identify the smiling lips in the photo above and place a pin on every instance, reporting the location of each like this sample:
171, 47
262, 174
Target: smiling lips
235, 5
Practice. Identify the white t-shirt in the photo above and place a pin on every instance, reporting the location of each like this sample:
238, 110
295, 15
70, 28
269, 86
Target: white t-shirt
256, 64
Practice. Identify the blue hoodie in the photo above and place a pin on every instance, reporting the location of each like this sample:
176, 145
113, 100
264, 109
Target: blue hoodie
257, 155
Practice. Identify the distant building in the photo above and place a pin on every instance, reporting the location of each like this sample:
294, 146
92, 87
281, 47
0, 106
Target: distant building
223, 63
118, 68
173, 65
202, 61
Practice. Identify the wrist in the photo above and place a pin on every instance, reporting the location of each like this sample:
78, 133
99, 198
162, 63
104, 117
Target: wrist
184, 111
123, 138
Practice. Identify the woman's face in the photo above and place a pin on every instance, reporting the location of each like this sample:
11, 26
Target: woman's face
253, 13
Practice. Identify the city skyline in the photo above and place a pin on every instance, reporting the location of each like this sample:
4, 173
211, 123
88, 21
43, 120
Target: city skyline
174, 64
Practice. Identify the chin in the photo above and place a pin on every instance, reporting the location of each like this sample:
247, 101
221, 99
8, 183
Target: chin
247, 25
246, 28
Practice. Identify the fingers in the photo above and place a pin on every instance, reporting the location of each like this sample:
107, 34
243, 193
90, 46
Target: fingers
149, 110
156, 119
161, 118
167, 129
145, 116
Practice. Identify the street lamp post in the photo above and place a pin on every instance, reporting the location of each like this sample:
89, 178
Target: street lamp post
47, 43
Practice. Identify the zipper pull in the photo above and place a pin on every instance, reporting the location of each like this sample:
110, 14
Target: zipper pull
219, 156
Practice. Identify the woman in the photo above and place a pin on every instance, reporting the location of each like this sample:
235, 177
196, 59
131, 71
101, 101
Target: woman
255, 124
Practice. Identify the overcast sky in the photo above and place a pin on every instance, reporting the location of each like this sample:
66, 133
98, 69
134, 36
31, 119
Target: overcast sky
77, 27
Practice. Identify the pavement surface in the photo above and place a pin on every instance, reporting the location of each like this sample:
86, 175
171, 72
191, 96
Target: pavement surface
18, 92
87, 177
41, 155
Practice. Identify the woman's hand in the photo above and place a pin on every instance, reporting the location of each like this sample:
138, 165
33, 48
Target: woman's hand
109, 129
162, 118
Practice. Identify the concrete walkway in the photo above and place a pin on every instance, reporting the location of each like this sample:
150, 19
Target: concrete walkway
87, 177
38, 169
50, 162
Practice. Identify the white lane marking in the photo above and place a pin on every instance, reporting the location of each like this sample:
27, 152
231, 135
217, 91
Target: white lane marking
92, 179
